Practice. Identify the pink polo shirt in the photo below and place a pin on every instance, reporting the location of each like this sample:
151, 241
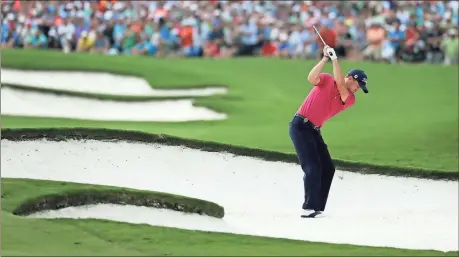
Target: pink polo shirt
324, 101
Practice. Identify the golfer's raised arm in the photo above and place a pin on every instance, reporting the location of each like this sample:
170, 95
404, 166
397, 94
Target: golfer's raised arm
313, 76
339, 78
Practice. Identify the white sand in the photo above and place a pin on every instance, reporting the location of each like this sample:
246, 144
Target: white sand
260, 197
139, 215
100, 83
35, 104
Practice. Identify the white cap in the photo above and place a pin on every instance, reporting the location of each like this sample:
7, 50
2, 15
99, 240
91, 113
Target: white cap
78, 4
296, 8
428, 24
118, 6
189, 22
108, 15
193, 7
174, 31
283, 37
80, 14
21, 18
10, 16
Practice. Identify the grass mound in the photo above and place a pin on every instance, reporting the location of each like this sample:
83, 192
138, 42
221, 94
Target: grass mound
73, 194
119, 196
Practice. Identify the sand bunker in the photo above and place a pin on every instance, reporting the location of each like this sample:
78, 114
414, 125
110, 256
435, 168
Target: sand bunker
260, 197
139, 215
27, 103
97, 83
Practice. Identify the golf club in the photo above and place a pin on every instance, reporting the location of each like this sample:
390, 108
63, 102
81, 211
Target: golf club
319, 35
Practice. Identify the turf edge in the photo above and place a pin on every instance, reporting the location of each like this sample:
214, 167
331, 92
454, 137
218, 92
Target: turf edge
103, 97
108, 71
120, 196
63, 134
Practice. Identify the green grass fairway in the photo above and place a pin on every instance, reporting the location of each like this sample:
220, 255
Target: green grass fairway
409, 118
40, 237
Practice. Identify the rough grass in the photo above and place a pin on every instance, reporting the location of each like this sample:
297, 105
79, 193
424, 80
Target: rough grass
23, 236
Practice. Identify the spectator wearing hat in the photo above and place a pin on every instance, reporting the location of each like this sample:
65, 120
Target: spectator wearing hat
129, 40
434, 37
375, 37
396, 36
161, 23
36, 40
249, 38
284, 47
85, 43
450, 46
66, 34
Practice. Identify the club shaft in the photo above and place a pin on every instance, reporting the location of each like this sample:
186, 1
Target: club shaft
319, 35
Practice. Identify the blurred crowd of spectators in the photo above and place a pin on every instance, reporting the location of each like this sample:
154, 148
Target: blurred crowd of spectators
390, 31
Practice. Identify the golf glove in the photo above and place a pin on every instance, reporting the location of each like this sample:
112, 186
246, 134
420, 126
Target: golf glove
331, 53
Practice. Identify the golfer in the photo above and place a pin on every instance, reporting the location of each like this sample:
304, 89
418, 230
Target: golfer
329, 96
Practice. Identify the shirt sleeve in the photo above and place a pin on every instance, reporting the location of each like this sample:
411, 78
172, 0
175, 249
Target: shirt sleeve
324, 78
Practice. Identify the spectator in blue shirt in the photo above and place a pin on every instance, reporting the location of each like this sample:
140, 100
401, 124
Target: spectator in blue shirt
249, 33
36, 40
118, 32
169, 40
248, 37
144, 47
397, 37
4, 32
11, 39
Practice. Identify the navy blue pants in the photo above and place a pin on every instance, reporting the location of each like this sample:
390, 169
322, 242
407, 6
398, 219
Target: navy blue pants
315, 162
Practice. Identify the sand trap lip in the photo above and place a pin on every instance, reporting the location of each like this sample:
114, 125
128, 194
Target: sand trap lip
138, 215
259, 197
25, 103
97, 83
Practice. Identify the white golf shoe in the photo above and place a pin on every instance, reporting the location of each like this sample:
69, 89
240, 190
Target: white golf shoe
311, 214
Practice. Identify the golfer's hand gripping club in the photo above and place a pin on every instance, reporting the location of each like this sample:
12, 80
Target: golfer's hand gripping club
330, 52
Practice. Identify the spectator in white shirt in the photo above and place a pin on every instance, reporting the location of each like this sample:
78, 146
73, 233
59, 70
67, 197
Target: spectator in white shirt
66, 32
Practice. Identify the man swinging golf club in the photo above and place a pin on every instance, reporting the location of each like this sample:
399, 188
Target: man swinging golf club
329, 96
